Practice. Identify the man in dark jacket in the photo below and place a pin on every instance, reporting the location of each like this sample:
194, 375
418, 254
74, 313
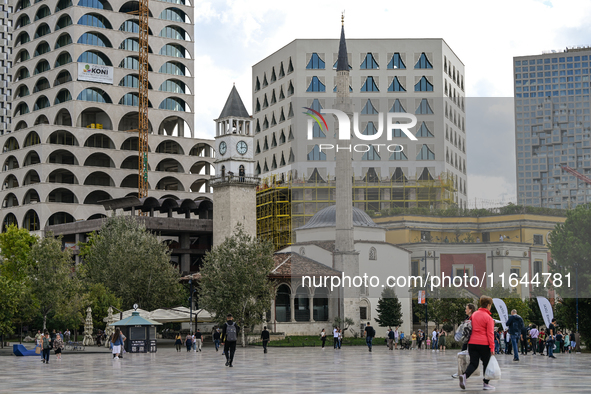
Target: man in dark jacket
515, 324
265, 337
524, 340
230, 332
390, 339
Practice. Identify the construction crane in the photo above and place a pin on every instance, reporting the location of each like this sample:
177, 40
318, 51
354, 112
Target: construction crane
143, 123
577, 174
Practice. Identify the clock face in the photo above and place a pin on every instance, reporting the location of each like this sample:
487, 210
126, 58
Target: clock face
223, 148
241, 147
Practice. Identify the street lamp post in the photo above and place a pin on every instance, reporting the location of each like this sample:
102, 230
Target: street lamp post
426, 310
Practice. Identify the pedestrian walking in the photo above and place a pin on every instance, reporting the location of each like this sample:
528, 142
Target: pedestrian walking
428, 344
178, 342
498, 336
434, 339
551, 338
560, 342
118, 340
58, 345
481, 344
534, 334
470, 309
573, 341
370, 333
442, 336
230, 332
67, 335
335, 337
323, 337
46, 340
340, 342
507, 338
420, 339
390, 339
515, 324
188, 342
265, 336
193, 343
413, 338
216, 339
524, 338
396, 335
198, 340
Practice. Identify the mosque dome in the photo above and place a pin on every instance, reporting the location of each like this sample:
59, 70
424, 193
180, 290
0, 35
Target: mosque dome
327, 217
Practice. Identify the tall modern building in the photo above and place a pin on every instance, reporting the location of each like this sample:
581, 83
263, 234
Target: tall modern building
417, 76
5, 66
553, 128
75, 97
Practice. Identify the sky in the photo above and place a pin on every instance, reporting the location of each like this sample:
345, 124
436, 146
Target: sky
232, 35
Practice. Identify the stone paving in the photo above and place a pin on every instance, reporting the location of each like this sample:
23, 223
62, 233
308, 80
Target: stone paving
293, 370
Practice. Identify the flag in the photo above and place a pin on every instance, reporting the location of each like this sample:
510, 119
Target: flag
502, 310
546, 309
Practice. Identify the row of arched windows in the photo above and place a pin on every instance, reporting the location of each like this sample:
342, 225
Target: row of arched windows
100, 178
171, 14
98, 4
93, 57
99, 140
100, 96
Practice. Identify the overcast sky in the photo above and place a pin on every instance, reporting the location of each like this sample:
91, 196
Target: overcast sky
231, 36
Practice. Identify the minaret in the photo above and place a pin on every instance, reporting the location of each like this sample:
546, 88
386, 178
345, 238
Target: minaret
345, 258
344, 168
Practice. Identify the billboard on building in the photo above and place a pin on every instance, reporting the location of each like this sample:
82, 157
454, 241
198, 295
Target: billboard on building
95, 73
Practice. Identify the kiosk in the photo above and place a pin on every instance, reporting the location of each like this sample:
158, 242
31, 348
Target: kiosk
140, 333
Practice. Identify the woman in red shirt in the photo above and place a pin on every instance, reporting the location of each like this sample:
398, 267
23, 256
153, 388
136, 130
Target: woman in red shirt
482, 341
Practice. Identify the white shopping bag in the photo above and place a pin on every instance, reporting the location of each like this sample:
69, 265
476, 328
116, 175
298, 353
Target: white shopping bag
464, 361
493, 371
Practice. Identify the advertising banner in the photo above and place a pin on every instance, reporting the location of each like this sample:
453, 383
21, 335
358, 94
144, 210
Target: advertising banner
95, 73
546, 309
502, 310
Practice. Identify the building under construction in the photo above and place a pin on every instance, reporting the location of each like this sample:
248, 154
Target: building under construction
284, 204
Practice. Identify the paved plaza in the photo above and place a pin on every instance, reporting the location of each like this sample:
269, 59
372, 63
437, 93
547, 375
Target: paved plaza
293, 370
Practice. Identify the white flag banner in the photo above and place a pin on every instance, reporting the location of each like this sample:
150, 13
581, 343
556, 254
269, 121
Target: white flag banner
502, 310
546, 309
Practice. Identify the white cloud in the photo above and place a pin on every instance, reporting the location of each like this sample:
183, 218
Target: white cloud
489, 191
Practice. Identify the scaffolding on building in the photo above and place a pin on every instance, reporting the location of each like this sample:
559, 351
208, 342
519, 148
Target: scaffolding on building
284, 204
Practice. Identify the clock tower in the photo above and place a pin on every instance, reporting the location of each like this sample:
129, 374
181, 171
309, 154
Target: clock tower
234, 184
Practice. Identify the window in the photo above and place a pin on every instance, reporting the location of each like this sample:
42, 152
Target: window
173, 14
173, 104
131, 99
131, 63
371, 155
398, 156
397, 107
423, 62
64, 21
95, 21
98, 4
315, 86
396, 86
131, 26
42, 30
98, 40
316, 130
369, 63
538, 239
174, 50
423, 85
63, 40
396, 62
424, 108
369, 109
373, 253
42, 66
370, 129
94, 94
93, 57
363, 313
63, 96
173, 68
172, 86
42, 102
370, 85
538, 268
316, 155
40, 50
424, 131
63, 58
42, 13
173, 32
315, 63
486, 237
62, 5
130, 44
425, 153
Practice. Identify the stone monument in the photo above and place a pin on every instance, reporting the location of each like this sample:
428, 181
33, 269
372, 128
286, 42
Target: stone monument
88, 328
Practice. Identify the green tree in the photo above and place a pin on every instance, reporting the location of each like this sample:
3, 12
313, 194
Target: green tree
132, 264
55, 282
234, 279
10, 291
15, 264
344, 325
99, 298
571, 253
389, 309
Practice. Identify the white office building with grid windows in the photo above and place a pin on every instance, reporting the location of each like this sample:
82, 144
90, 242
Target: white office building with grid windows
418, 76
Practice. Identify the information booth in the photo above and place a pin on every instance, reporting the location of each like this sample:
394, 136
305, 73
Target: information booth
140, 333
